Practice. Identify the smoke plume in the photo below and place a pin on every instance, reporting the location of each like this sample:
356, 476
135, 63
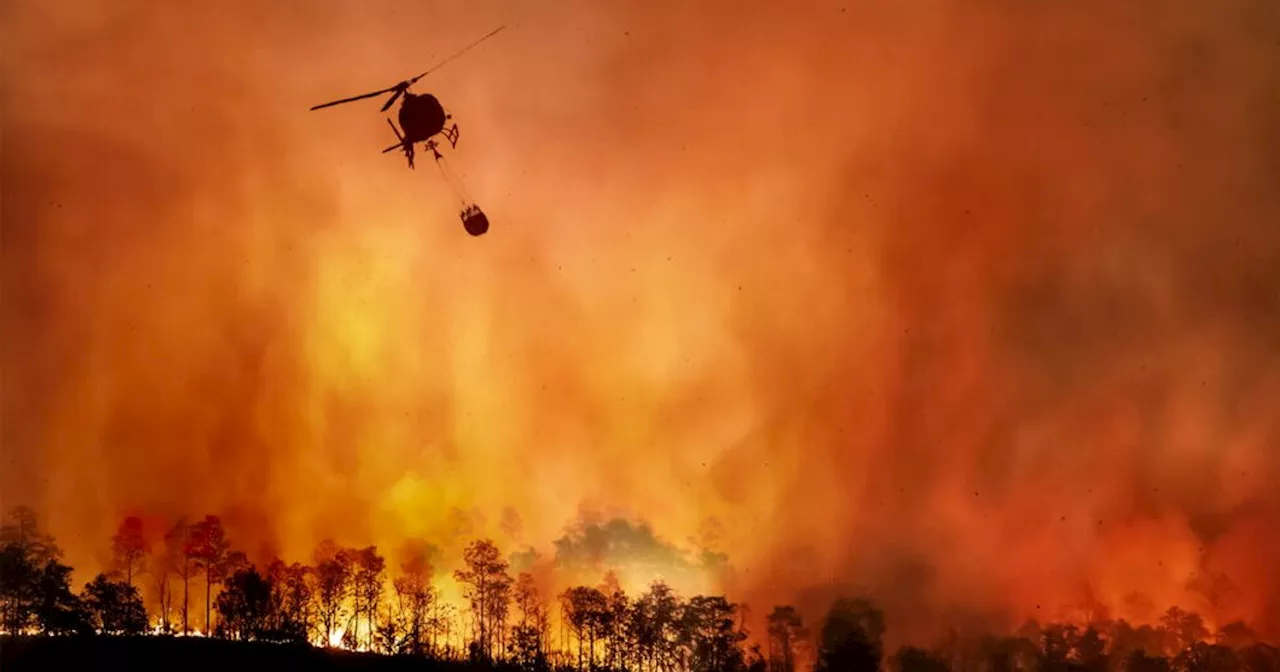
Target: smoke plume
970, 307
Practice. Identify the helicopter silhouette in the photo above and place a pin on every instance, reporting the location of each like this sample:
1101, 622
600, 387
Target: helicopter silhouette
421, 115
422, 118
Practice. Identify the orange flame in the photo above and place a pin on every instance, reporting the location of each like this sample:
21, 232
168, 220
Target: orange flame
971, 311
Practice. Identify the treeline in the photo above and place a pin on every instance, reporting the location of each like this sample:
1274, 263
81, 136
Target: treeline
349, 597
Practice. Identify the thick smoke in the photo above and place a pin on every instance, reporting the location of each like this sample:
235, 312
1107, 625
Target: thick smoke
969, 306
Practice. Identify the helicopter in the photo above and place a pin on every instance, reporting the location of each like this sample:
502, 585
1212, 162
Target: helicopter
422, 118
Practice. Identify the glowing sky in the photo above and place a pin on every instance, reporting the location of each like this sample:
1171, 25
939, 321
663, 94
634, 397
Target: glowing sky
973, 306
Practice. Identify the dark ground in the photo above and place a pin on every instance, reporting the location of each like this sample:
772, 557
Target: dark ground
173, 654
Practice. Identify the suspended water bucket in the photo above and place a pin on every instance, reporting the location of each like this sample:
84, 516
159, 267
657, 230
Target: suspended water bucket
474, 220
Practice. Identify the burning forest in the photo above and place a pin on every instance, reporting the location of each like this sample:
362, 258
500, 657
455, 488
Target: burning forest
938, 334
350, 598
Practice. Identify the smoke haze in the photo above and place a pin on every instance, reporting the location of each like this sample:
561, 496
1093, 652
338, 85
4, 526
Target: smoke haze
969, 306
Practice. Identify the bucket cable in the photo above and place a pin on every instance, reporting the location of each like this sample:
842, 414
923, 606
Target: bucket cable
455, 183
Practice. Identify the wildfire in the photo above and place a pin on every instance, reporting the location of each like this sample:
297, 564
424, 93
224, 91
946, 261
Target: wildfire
336, 640
967, 311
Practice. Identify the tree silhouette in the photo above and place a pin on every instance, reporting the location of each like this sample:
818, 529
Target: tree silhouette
658, 631
129, 547
58, 611
160, 566
1139, 661
851, 638
179, 548
499, 610
1010, 653
30, 576
786, 630
756, 661
586, 610
712, 634
487, 587
1237, 635
246, 606
1259, 658
1206, 657
209, 548
115, 606
291, 600
914, 659
20, 528
642, 629
614, 626
18, 580
1057, 642
444, 624
572, 620
414, 597
529, 634
653, 626
367, 584
1090, 650
1185, 628
333, 570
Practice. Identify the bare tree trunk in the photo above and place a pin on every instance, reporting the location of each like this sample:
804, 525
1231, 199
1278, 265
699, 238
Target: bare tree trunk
436, 618
186, 601
480, 631
208, 585
164, 603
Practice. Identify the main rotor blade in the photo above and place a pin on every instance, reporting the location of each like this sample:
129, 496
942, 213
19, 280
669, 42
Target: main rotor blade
403, 86
460, 52
359, 97
400, 88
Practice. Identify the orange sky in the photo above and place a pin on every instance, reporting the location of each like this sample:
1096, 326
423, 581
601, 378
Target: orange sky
972, 306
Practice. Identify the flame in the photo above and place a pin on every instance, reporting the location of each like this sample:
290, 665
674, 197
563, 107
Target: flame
335, 638
971, 311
